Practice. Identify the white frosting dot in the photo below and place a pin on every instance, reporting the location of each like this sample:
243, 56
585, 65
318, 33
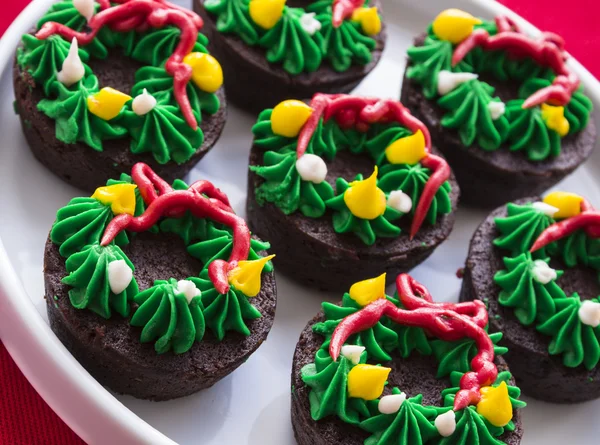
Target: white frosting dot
447, 80
542, 273
311, 168
119, 276
391, 404
352, 353
496, 109
398, 200
143, 103
72, 68
589, 313
309, 23
446, 423
188, 289
85, 8
546, 209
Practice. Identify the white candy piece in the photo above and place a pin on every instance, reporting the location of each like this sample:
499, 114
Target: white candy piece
143, 103
72, 68
85, 8
496, 109
352, 353
391, 404
447, 80
119, 276
542, 273
311, 168
309, 23
589, 313
446, 423
398, 200
189, 289
546, 209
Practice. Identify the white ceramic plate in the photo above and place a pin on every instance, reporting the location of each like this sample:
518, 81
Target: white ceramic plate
252, 405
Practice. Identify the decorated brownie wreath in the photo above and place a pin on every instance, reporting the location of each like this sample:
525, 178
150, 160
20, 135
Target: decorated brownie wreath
538, 262
340, 225
155, 289
402, 370
271, 51
87, 132
504, 108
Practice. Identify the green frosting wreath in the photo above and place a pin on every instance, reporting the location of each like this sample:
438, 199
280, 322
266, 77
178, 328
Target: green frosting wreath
162, 132
285, 188
467, 107
168, 316
532, 288
414, 422
301, 40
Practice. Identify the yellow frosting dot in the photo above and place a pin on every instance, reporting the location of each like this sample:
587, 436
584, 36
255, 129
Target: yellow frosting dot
266, 13
555, 119
568, 204
288, 117
207, 73
454, 25
367, 291
245, 277
495, 405
364, 199
107, 103
367, 381
369, 20
407, 150
121, 197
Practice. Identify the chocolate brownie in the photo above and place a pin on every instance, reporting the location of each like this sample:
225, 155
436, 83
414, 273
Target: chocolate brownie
80, 165
489, 179
111, 349
254, 84
413, 375
539, 374
310, 251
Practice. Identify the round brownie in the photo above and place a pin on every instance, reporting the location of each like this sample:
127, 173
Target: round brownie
254, 84
489, 179
82, 166
111, 349
414, 375
310, 251
539, 374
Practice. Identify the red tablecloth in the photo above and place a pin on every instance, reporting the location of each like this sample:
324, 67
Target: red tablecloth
24, 417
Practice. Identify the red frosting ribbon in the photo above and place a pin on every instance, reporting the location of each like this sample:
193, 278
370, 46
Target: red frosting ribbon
140, 15
588, 220
360, 112
343, 9
202, 198
547, 50
447, 321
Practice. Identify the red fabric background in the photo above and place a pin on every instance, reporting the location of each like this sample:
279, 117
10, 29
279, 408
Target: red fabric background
24, 417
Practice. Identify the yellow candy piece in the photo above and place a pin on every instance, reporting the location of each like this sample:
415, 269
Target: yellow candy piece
454, 25
367, 381
369, 20
121, 197
407, 150
364, 199
288, 117
367, 291
245, 277
207, 73
495, 405
555, 119
107, 103
266, 13
568, 204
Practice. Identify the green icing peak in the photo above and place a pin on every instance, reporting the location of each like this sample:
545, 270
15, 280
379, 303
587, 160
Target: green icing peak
157, 45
